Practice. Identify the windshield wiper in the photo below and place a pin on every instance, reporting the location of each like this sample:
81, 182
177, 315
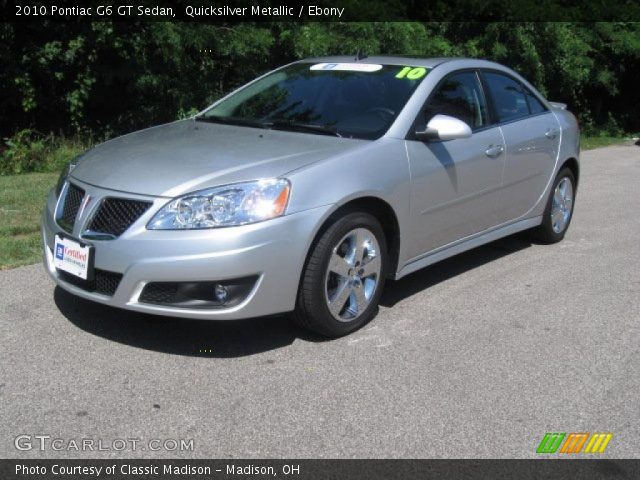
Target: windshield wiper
276, 125
302, 127
231, 121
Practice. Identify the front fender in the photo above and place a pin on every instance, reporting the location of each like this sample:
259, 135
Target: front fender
379, 169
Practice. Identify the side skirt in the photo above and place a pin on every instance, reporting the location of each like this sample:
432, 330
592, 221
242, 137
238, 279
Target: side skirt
465, 244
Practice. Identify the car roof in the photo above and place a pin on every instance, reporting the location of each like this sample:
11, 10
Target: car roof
382, 59
456, 62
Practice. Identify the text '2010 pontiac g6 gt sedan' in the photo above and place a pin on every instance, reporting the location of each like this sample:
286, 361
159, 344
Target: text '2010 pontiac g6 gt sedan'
305, 189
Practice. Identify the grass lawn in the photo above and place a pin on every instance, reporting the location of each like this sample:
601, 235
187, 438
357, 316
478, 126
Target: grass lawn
22, 200
589, 143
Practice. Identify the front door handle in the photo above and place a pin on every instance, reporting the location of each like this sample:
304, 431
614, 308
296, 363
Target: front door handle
551, 133
494, 151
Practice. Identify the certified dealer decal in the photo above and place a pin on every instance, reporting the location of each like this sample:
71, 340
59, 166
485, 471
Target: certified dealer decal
72, 257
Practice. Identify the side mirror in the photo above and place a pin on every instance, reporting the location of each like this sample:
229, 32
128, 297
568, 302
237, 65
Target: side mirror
444, 127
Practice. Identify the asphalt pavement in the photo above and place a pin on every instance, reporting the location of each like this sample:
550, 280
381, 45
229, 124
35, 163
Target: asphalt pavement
477, 356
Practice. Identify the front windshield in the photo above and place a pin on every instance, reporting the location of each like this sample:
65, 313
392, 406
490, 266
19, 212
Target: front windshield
353, 100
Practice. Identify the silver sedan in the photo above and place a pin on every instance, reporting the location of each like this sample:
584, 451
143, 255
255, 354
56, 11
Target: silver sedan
305, 189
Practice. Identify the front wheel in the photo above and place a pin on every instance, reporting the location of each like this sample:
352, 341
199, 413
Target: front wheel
344, 276
559, 210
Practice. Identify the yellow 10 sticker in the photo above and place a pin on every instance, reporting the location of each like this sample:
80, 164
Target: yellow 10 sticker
412, 73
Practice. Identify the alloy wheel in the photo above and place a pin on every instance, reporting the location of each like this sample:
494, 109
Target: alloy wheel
562, 205
353, 274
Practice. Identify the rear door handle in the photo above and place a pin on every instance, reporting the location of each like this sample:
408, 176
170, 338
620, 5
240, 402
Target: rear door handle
494, 151
551, 133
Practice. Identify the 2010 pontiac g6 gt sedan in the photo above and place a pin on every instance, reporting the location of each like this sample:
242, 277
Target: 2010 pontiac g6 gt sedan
305, 189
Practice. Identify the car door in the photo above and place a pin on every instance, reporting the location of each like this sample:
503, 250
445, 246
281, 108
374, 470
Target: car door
532, 138
455, 183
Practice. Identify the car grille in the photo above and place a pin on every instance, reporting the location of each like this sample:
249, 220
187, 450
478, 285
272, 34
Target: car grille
116, 215
104, 282
72, 201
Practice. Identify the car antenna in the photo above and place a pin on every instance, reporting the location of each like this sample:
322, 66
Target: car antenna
360, 55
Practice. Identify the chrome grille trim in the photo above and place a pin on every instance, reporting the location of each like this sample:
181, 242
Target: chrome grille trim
67, 212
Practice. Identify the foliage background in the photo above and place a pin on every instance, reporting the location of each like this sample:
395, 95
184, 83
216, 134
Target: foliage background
91, 81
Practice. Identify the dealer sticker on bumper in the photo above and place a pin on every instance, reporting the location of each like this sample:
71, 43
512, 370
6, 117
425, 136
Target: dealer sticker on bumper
72, 257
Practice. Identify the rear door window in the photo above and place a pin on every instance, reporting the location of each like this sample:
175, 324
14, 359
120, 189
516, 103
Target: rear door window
535, 105
509, 99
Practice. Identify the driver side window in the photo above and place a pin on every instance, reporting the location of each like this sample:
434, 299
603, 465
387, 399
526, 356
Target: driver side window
459, 96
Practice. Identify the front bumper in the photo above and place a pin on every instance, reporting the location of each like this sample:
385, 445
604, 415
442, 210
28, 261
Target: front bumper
273, 251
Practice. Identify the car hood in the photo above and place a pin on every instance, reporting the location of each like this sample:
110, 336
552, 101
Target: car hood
186, 156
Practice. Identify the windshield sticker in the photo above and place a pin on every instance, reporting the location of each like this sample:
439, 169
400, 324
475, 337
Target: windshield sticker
351, 67
412, 73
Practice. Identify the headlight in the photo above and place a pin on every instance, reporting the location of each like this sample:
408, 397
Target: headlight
64, 174
225, 206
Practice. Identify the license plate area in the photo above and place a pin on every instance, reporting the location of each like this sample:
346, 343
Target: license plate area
73, 257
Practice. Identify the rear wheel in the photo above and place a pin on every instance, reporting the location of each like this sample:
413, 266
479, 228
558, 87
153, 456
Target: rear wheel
559, 210
343, 277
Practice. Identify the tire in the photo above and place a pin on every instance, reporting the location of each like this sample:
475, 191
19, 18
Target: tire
549, 231
337, 270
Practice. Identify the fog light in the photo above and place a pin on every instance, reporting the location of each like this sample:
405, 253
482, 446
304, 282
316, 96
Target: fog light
221, 293
214, 294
